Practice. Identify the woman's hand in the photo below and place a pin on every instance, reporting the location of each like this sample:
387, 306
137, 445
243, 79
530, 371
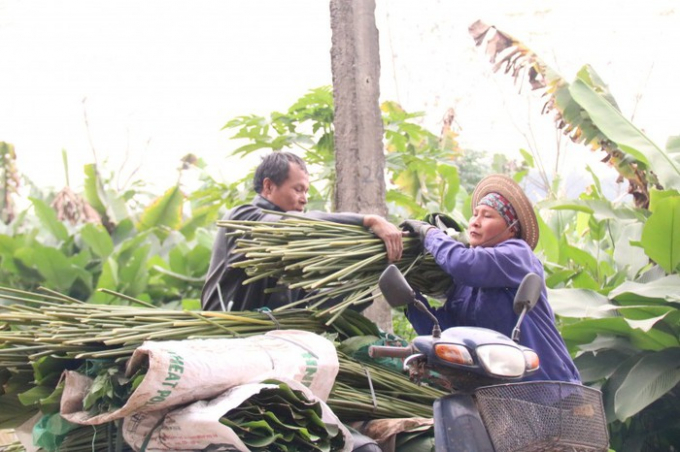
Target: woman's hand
417, 227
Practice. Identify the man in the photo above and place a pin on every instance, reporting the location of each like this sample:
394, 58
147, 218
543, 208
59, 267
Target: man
281, 182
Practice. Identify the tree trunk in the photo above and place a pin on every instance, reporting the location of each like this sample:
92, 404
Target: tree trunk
359, 156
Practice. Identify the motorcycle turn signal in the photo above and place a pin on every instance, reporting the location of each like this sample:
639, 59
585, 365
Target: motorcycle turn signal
453, 353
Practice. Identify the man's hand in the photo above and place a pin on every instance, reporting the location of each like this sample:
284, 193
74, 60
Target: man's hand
389, 233
417, 227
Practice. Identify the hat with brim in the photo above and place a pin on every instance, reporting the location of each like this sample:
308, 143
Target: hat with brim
508, 188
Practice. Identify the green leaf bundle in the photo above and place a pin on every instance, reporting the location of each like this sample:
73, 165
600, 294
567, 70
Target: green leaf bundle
283, 419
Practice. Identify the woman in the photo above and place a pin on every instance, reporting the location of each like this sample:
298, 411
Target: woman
503, 232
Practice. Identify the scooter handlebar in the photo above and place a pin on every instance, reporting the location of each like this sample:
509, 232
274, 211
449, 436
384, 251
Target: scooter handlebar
386, 351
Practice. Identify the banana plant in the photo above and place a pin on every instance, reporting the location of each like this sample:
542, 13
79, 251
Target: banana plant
587, 113
586, 242
613, 274
612, 269
627, 344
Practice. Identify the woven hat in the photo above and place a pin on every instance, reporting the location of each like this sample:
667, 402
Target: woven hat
508, 188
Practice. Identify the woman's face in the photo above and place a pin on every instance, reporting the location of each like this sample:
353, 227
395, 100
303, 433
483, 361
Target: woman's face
291, 195
488, 228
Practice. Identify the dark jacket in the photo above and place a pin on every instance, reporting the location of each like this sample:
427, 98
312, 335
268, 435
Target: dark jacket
223, 279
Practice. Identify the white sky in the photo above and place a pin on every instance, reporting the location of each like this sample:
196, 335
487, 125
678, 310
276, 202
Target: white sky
161, 78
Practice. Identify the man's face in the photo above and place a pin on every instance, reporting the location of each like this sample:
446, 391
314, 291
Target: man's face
488, 228
292, 193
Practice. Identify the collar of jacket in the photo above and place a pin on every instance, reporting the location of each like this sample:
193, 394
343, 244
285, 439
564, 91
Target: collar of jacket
263, 203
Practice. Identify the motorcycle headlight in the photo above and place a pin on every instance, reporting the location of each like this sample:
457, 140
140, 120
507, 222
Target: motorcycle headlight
502, 360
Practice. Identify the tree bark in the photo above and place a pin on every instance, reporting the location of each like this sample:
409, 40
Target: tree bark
359, 156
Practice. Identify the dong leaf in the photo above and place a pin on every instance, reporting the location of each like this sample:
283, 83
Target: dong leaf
578, 303
200, 217
451, 182
657, 292
93, 189
52, 403
548, 242
587, 330
13, 413
661, 234
34, 395
107, 280
97, 239
134, 273
164, 212
615, 381
648, 380
55, 267
628, 256
596, 366
49, 219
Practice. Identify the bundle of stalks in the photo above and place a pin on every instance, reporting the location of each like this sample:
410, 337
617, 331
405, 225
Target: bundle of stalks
330, 261
106, 437
42, 334
365, 391
38, 325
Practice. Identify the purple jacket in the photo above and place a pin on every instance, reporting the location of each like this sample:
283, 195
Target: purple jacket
485, 283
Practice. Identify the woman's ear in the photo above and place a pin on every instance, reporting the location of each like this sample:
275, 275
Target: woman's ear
514, 229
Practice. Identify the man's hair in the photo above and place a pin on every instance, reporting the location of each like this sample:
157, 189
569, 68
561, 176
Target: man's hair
275, 167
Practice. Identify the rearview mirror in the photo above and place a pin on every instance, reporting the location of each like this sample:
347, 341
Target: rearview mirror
395, 288
528, 293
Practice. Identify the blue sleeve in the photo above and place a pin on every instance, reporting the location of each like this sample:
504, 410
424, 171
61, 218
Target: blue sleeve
446, 314
421, 322
503, 265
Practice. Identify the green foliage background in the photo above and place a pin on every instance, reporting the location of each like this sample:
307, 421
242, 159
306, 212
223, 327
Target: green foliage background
611, 268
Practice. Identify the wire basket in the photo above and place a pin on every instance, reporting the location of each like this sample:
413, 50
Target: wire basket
543, 416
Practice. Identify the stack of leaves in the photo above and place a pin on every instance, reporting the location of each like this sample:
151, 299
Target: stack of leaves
43, 334
283, 419
328, 260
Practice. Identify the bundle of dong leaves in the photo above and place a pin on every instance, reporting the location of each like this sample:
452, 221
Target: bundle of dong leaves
282, 419
43, 334
328, 261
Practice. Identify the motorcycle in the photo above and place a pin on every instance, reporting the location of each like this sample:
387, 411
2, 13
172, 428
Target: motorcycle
489, 408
